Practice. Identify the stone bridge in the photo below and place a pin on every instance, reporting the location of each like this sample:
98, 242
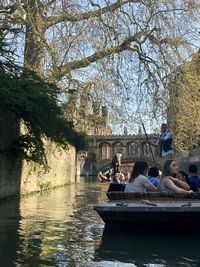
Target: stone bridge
102, 149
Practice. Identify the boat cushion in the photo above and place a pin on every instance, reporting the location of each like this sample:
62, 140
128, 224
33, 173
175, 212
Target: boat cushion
135, 195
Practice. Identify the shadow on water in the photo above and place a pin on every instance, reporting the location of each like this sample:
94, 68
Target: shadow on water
9, 225
147, 247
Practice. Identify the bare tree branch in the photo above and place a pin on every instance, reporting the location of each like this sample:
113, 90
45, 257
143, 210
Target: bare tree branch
87, 15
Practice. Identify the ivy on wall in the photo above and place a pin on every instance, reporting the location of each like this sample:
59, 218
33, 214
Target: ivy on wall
35, 104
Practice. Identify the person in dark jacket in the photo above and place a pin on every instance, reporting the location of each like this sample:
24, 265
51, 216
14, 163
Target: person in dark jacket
194, 179
117, 161
165, 142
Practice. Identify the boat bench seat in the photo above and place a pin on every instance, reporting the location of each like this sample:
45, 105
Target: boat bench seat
116, 187
118, 195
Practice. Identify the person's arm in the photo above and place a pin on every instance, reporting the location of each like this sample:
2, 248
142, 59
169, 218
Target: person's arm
180, 183
167, 136
149, 186
101, 176
157, 141
171, 185
157, 182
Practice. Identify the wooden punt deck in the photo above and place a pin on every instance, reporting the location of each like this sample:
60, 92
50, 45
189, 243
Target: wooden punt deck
150, 210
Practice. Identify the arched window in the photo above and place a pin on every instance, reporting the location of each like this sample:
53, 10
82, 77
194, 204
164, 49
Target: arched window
105, 151
132, 149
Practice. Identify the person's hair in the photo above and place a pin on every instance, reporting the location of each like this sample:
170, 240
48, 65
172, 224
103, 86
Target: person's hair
193, 168
108, 175
140, 167
184, 174
121, 176
166, 168
153, 172
164, 125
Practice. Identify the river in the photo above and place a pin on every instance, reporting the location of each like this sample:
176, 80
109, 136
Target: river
60, 228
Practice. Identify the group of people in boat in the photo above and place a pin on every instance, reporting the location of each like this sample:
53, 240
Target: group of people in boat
116, 178
114, 174
144, 179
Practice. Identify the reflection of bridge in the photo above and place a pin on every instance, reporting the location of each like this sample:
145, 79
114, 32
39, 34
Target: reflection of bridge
102, 149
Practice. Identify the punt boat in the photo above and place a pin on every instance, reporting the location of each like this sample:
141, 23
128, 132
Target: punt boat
150, 208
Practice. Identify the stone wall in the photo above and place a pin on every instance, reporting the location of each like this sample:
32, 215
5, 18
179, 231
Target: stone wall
192, 158
62, 171
19, 177
10, 166
10, 173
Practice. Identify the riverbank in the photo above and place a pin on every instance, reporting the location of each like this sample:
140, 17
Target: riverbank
20, 177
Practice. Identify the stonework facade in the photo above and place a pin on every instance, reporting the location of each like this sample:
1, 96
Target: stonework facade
19, 177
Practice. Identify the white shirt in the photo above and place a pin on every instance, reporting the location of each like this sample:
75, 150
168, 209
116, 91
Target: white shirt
139, 184
166, 136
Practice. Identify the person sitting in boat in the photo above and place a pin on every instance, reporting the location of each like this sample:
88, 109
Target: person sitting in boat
121, 177
126, 177
194, 179
138, 181
183, 176
153, 174
115, 179
169, 182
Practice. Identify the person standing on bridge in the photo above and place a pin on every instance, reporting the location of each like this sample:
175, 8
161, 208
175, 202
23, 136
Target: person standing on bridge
117, 161
165, 142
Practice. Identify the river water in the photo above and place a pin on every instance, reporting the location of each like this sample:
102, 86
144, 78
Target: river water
60, 228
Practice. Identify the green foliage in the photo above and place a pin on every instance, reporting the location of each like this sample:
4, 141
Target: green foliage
34, 102
185, 105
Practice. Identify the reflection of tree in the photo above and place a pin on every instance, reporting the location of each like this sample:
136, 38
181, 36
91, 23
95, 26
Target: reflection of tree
87, 227
41, 224
60, 226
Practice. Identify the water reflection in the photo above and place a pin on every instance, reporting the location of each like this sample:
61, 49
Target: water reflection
60, 228
9, 237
